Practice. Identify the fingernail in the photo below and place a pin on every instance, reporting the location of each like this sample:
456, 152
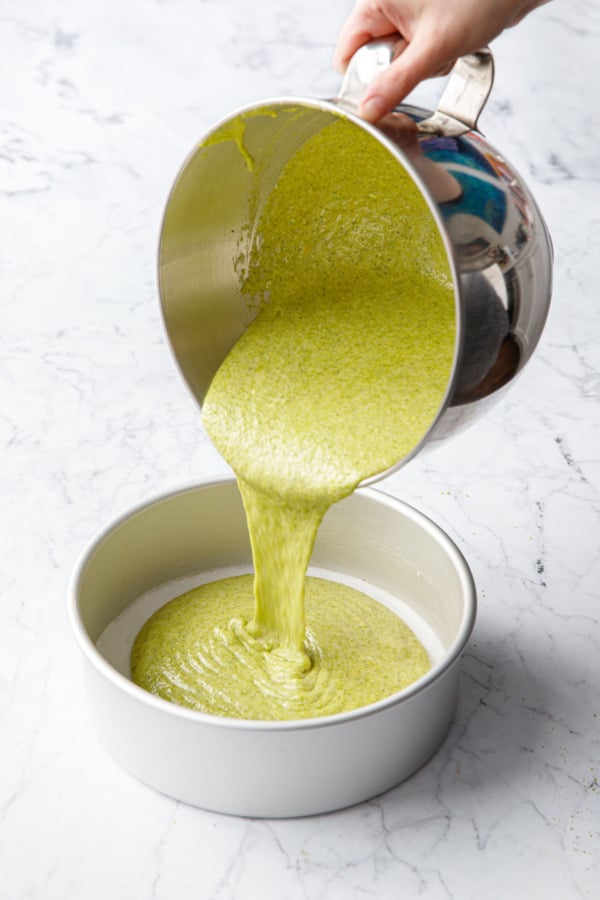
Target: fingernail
372, 109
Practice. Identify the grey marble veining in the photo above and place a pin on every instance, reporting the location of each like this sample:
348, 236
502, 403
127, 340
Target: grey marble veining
99, 104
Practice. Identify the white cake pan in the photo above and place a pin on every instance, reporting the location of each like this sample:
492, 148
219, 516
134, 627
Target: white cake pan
255, 768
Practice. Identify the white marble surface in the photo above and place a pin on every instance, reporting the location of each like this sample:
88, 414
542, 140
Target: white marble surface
100, 100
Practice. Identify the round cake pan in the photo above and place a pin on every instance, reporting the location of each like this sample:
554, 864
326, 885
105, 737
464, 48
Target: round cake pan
257, 768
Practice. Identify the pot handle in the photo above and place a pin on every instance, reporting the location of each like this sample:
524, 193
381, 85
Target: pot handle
461, 103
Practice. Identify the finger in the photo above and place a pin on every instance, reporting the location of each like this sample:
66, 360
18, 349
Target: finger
360, 27
442, 70
347, 47
418, 61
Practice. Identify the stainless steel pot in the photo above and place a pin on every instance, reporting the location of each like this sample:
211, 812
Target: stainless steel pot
498, 247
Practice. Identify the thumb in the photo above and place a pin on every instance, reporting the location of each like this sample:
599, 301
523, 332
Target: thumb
417, 61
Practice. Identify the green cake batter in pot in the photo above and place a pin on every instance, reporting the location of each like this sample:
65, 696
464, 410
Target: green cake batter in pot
339, 376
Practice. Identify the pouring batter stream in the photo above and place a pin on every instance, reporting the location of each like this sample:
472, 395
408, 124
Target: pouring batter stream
338, 377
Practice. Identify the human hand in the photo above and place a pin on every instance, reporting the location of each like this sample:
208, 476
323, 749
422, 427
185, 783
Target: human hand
435, 33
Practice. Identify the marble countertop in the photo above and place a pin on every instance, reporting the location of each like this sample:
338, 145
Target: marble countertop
100, 103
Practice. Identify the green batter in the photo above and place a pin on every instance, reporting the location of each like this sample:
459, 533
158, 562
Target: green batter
339, 376
198, 651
